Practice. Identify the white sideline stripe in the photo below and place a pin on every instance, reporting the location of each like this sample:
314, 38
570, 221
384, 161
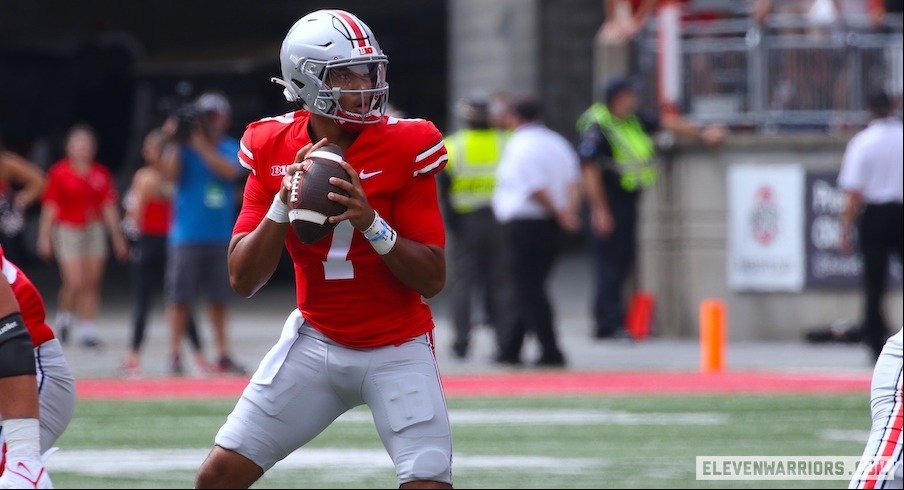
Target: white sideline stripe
326, 155
838, 435
429, 152
563, 417
307, 215
112, 462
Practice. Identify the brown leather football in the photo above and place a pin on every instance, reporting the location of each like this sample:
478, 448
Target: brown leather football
309, 207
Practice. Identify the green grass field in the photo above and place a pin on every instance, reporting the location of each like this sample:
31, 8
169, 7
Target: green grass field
589, 442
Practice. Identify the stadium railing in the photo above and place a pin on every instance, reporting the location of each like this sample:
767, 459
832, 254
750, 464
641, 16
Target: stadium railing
785, 74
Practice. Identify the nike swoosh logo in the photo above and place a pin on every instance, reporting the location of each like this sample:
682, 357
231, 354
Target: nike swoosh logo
366, 175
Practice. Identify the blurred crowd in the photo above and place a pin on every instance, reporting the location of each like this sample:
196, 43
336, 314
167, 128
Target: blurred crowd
178, 213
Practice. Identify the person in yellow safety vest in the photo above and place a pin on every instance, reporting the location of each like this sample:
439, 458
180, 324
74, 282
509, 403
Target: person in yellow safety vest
618, 162
466, 192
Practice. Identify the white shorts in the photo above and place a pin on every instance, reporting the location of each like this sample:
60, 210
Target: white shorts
307, 380
56, 387
885, 438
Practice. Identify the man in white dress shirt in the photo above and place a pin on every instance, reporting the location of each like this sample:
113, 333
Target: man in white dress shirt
537, 196
871, 176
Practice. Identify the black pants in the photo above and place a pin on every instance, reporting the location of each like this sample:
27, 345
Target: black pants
614, 257
148, 268
881, 234
477, 254
533, 246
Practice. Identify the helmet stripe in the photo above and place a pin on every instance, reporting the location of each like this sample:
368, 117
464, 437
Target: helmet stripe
354, 27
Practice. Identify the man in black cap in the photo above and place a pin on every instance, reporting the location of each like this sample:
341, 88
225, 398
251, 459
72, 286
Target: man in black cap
617, 160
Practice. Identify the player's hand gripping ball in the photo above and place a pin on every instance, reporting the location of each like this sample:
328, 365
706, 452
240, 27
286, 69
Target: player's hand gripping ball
309, 207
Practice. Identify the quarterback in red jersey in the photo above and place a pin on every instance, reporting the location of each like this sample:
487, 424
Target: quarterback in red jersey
23, 439
361, 333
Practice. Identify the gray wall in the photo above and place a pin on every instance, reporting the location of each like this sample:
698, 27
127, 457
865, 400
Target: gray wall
493, 46
683, 244
541, 47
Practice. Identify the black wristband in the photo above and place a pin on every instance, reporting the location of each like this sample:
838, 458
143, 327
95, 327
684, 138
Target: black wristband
17, 355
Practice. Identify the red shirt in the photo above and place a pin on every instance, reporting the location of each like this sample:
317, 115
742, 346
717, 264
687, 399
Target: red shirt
343, 288
156, 219
31, 305
78, 198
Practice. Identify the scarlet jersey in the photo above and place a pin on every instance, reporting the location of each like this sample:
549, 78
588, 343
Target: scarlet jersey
31, 304
343, 288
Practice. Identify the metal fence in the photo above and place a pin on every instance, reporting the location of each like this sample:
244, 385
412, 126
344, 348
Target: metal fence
787, 74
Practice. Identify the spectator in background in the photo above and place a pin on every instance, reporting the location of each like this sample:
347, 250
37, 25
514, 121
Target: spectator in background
466, 189
537, 196
824, 12
148, 205
79, 209
871, 177
204, 168
617, 160
21, 184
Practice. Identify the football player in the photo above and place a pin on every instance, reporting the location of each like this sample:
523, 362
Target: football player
361, 333
34, 378
881, 465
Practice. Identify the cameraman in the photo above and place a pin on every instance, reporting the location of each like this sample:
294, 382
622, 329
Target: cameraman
203, 166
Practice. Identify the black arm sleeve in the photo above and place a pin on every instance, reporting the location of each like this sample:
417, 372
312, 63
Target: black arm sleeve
17, 354
593, 146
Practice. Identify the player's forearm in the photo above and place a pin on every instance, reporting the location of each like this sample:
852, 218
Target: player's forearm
418, 266
253, 257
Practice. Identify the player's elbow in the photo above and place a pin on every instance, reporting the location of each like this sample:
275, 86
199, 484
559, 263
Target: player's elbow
241, 285
433, 287
242, 282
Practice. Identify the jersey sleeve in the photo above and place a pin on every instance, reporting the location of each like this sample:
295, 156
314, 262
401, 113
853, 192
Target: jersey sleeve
246, 155
430, 157
593, 147
255, 203
416, 215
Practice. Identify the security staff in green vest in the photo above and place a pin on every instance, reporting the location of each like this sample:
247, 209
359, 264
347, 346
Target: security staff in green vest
466, 190
618, 162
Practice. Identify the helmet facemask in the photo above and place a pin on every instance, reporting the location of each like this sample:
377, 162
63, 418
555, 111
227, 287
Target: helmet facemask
326, 82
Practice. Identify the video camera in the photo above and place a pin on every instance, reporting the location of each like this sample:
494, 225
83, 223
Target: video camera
183, 109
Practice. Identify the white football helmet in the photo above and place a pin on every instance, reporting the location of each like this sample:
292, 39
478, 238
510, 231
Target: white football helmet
323, 46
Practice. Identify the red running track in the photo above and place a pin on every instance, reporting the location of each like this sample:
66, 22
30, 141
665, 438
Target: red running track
518, 384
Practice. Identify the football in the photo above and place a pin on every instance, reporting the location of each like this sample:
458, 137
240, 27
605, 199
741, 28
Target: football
309, 206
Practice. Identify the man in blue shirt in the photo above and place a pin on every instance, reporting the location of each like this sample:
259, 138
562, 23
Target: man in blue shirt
203, 168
